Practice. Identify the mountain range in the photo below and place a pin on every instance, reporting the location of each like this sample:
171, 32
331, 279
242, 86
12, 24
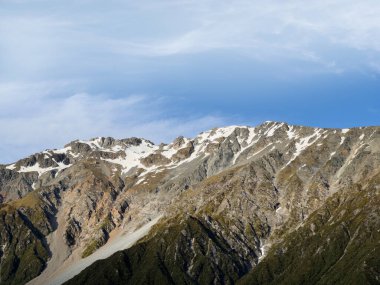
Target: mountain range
270, 204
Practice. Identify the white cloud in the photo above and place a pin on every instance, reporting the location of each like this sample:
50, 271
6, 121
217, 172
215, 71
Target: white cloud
321, 32
316, 31
32, 118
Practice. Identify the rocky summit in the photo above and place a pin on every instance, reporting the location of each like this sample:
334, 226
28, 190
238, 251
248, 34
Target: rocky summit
271, 204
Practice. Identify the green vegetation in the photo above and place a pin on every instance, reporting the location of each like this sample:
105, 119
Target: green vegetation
92, 246
187, 252
24, 224
339, 244
105, 227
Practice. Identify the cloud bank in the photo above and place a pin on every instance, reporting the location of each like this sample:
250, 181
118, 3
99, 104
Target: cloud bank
33, 117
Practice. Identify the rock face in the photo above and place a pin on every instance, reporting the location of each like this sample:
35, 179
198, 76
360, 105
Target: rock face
272, 204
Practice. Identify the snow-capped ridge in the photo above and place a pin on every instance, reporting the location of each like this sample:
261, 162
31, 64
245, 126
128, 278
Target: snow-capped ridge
139, 153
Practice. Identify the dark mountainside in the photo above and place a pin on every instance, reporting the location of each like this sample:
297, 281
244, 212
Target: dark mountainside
271, 204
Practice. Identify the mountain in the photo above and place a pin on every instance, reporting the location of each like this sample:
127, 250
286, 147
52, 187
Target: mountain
271, 204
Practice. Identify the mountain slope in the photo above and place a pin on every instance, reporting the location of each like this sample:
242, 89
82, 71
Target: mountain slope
229, 201
338, 244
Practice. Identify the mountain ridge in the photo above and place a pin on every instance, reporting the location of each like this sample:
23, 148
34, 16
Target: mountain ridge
240, 190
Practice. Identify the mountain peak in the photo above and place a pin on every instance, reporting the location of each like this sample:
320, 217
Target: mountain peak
234, 188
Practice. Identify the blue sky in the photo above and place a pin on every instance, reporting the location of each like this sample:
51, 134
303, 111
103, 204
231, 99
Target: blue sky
159, 69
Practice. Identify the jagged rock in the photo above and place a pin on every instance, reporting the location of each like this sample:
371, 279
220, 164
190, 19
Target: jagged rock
79, 147
132, 141
155, 159
15, 185
183, 153
73, 231
178, 142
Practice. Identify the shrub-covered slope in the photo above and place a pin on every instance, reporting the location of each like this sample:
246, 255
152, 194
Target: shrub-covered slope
338, 244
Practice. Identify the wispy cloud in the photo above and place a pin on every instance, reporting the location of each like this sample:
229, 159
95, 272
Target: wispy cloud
317, 32
34, 117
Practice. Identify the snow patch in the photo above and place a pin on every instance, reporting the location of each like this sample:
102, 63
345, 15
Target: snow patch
250, 142
96, 142
270, 132
140, 180
169, 151
222, 132
11, 167
291, 133
215, 134
305, 143
263, 249
133, 155
345, 131
117, 148
257, 152
65, 150
36, 168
